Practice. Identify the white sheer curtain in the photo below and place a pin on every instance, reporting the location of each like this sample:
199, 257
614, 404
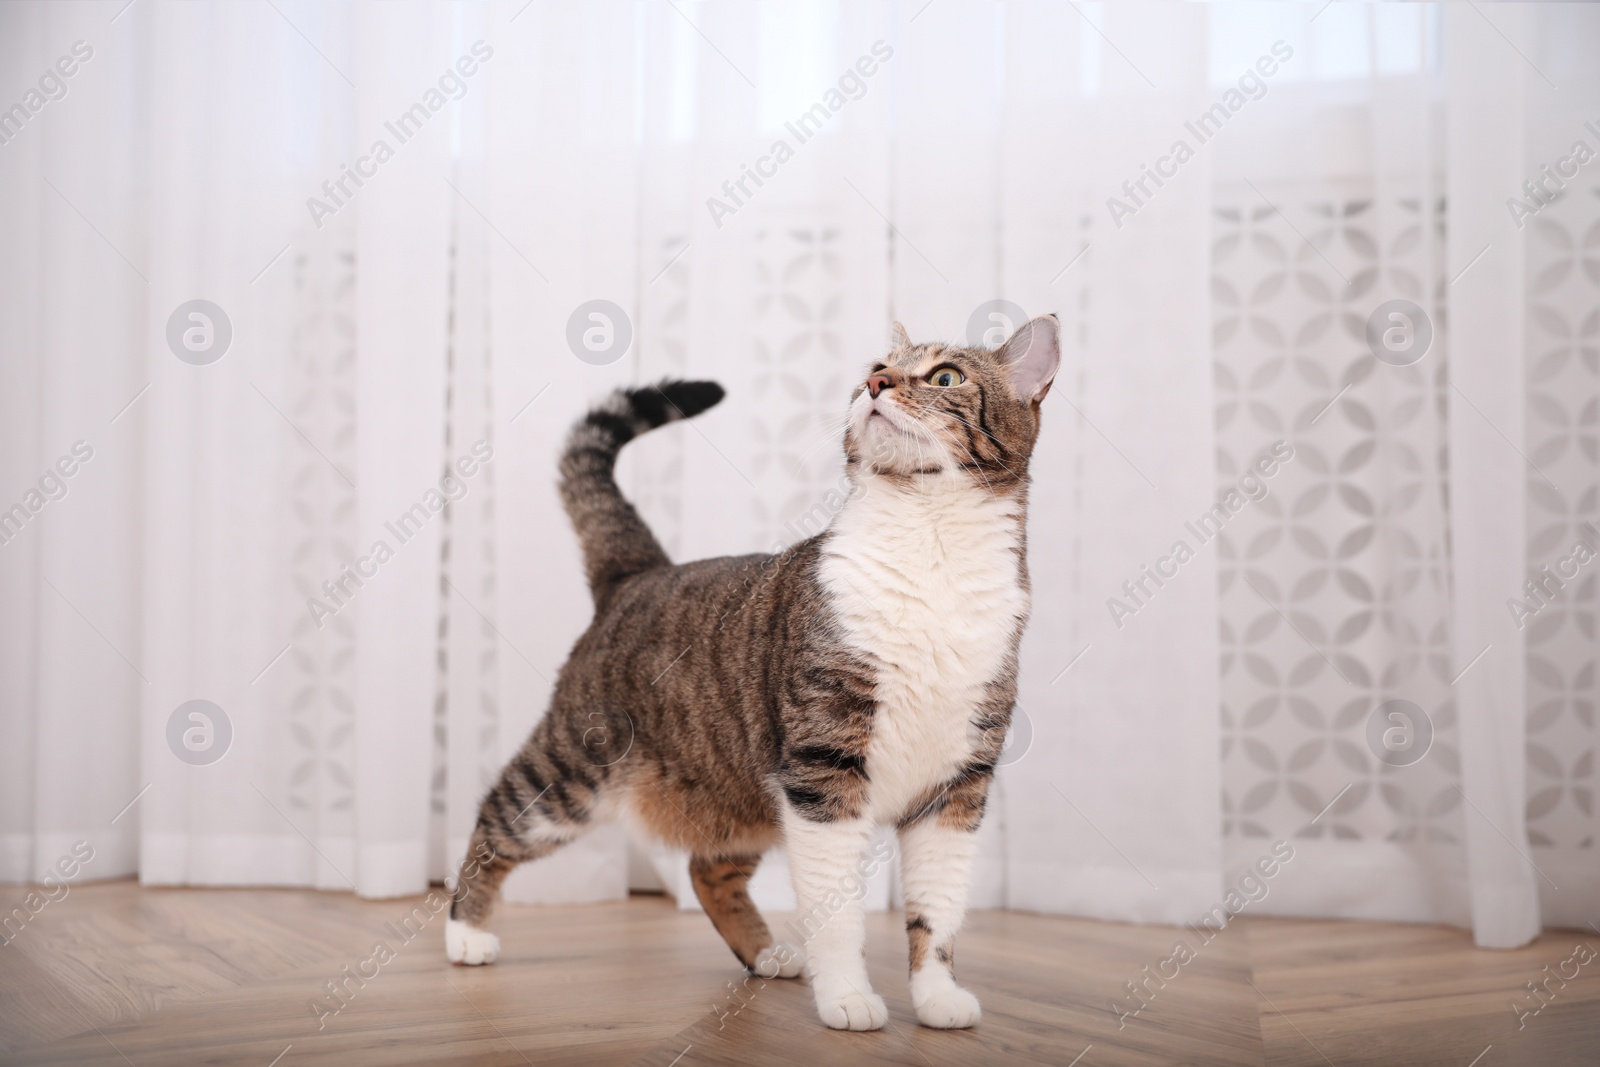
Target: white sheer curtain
1540, 300
966, 155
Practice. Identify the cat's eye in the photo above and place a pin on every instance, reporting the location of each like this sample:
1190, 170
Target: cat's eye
945, 377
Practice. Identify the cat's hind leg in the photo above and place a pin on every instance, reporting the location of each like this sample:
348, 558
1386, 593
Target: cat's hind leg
546, 796
467, 938
721, 882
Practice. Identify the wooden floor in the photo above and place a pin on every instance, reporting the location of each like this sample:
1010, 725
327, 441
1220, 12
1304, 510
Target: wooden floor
115, 974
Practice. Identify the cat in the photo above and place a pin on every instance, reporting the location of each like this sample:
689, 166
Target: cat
861, 677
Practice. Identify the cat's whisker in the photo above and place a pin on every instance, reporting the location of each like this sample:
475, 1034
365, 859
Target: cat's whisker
977, 468
828, 433
833, 424
986, 433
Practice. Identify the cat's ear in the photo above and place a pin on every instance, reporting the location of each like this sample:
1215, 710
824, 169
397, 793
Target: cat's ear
898, 338
1031, 357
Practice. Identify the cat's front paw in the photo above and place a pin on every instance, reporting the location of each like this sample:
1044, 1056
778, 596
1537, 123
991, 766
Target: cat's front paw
779, 961
853, 1010
949, 1009
468, 944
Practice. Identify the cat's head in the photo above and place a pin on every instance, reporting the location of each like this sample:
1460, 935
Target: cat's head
932, 409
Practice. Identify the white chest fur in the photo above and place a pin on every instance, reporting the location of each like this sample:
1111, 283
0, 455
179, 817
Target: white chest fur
926, 582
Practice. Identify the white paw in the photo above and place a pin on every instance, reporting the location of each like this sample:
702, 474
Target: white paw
853, 1011
779, 961
468, 944
950, 1009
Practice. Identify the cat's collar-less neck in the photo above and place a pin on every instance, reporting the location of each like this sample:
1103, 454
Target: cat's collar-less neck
939, 516
942, 481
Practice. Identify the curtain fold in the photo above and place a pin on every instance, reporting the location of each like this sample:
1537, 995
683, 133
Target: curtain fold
1489, 490
1114, 810
1560, 324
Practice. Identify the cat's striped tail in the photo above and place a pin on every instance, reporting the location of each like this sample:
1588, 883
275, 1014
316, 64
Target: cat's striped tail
616, 542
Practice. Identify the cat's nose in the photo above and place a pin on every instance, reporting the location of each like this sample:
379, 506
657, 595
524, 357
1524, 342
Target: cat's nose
876, 383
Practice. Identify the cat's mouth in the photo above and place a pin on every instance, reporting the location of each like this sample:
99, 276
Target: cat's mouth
891, 439
884, 407
879, 414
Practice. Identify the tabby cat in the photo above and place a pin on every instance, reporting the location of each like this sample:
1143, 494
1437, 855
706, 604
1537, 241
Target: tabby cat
864, 676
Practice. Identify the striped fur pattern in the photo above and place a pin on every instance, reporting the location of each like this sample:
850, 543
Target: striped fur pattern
861, 677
